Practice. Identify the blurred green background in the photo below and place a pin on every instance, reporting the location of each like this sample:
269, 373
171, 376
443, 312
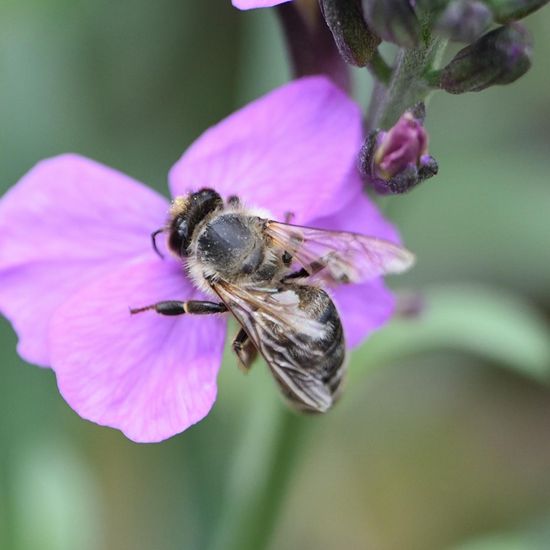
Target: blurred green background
443, 438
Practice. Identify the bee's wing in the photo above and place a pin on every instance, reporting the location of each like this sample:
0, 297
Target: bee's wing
265, 313
339, 256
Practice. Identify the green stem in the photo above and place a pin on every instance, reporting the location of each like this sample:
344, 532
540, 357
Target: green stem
377, 96
379, 68
408, 85
8, 538
433, 78
260, 474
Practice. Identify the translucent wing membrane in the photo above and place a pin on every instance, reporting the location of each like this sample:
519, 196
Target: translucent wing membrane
338, 256
279, 329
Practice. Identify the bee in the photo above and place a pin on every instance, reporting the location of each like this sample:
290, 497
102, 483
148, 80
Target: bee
271, 276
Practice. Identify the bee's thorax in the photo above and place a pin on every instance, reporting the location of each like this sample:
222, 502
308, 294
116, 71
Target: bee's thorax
233, 246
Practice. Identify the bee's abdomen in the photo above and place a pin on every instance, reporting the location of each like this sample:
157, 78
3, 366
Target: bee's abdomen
323, 356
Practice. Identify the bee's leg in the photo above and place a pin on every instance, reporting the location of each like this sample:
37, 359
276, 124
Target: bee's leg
245, 350
175, 307
289, 216
233, 200
300, 274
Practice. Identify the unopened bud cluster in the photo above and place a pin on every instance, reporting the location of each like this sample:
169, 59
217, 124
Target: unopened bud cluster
497, 51
497, 57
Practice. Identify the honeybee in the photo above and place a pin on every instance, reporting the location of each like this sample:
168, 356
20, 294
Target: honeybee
270, 276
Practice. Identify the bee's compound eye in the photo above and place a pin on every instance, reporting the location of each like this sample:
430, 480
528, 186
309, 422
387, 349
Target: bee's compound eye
183, 230
205, 194
179, 237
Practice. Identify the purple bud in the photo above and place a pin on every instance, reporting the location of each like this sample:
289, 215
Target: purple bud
464, 20
397, 160
402, 181
498, 57
428, 167
512, 10
402, 145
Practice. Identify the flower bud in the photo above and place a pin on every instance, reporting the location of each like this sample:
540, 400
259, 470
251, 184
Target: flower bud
404, 144
464, 20
397, 160
428, 167
505, 11
393, 20
499, 57
355, 41
433, 7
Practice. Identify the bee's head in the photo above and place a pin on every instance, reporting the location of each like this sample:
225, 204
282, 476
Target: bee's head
185, 214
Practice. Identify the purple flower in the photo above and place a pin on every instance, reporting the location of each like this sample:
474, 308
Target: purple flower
402, 145
75, 255
250, 4
397, 160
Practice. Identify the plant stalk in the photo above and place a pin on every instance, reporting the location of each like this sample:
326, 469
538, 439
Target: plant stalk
259, 476
408, 85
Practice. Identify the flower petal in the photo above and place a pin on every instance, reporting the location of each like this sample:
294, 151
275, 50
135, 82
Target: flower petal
288, 151
249, 4
30, 293
358, 214
150, 376
68, 221
365, 307
70, 207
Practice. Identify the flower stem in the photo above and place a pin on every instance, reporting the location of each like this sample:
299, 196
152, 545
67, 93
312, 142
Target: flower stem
260, 474
379, 68
408, 85
8, 537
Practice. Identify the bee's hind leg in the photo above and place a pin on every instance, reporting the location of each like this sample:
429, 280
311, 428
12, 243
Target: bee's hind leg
300, 274
176, 307
245, 350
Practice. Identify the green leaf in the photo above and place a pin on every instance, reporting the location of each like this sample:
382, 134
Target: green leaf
494, 324
499, 542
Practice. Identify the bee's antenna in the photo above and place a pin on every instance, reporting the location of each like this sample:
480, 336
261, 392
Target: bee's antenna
154, 242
